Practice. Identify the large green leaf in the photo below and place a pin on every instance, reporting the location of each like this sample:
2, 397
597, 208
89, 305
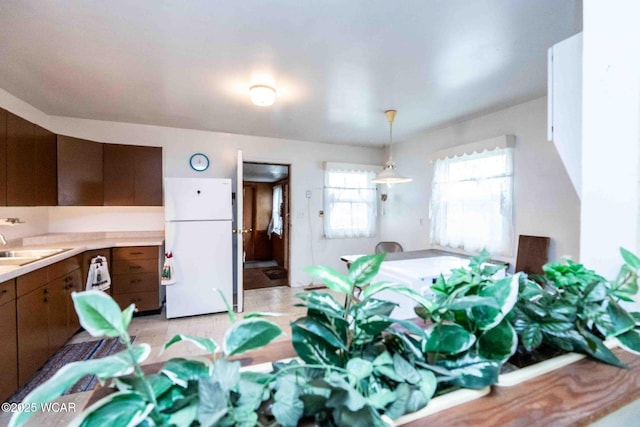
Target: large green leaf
323, 302
316, 328
593, 346
343, 394
331, 278
115, 365
498, 343
470, 371
621, 321
117, 409
359, 368
180, 371
99, 314
202, 342
313, 349
630, 341
471, 301
505, 293
212, 402
287, 407
365, 268
405, 369
448, 338
373, 307
630, 258
428, 383
227, 373
249, 334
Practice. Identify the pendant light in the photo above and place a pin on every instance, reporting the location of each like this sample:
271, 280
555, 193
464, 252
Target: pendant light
389, 175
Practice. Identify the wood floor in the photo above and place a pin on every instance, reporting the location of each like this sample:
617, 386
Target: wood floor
156, 329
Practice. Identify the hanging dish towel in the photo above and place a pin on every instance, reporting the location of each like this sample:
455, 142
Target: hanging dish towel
168, 271
98, 277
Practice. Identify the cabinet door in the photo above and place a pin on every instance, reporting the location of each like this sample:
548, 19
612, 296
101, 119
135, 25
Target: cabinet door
75, 284
3, 157
46, 176
79, 172
148, 176
33, 332
21, 165
119, 165
58, 316
9, 353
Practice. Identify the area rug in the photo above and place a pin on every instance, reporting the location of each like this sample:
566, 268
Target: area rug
275, 273
67, 354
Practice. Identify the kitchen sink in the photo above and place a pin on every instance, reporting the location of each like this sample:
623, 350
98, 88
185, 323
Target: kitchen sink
25, 256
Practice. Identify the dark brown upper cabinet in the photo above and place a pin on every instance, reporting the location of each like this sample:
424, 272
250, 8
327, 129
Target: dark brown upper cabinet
21, 161
80, 180
3, 157
132, 175
46, 174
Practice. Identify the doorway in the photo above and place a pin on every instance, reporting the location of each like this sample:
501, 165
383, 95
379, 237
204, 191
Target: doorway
266, 225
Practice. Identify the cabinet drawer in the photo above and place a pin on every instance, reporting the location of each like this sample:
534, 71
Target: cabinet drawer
135, 252
144, 301
7, 291
127, 283
135, 266
64, 267
30, 281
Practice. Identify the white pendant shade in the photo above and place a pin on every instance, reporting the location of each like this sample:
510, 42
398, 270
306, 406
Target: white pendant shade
389, 175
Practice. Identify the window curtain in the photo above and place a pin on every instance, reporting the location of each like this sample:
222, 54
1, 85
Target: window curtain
275, 225
472, 202
350, 202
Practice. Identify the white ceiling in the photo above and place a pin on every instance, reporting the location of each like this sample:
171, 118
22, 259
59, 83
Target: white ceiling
336, 64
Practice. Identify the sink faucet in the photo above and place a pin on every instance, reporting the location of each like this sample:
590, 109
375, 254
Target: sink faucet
3, 240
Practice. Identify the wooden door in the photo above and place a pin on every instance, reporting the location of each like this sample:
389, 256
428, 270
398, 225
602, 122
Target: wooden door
46, 171
80, 167
249, 201
119, 167
21, 161
3, 157
33, 332
148, 176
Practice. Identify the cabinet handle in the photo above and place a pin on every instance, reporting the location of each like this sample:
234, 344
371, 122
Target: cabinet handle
136, 253
4, 291
46, 291
135, 267
46, 300
133, 282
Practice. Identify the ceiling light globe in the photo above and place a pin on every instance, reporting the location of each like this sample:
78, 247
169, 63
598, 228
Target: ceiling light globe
262, 95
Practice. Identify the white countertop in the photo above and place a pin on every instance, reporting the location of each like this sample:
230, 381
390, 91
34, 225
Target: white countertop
75, 243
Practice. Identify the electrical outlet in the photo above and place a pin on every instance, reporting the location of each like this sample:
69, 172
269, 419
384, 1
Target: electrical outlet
308, 194
321, 214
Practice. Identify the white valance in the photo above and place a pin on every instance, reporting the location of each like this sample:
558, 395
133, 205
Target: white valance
502, 141
356, 167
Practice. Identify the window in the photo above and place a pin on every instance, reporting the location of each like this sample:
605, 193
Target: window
350, 202
471, 201
275, 225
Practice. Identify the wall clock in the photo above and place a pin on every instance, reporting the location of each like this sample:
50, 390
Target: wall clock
199, 162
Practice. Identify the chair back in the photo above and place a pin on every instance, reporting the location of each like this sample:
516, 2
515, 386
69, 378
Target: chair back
388, 247
533, 253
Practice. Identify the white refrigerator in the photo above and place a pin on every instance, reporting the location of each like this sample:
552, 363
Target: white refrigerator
198, 218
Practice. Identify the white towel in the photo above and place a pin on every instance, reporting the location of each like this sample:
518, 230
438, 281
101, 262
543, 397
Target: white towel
98, 277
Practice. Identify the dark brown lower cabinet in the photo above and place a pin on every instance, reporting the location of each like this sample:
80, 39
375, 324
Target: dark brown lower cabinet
33, 332
9, 339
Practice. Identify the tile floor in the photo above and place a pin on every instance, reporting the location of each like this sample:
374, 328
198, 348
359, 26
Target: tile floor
156, 329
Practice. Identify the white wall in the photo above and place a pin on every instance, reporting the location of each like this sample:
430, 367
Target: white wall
545, 202
307, 244
611, 133
36, 221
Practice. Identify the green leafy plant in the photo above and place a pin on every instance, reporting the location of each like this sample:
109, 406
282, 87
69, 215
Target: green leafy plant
375, 368
198, 391
575, 309
470, 335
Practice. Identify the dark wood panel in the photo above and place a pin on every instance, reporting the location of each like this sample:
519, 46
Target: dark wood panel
142, 282
135, 266
3, 157
119, 166
31, 281
7, 292
64, 267
262, 246
533, 253
144, 301
33, 333
46, 171
21, 164
9, 353
249, 215
136, 252
80, 167
148, 176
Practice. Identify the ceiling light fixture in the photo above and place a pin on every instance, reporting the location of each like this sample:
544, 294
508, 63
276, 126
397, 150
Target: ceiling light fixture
389, 175
262, 95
